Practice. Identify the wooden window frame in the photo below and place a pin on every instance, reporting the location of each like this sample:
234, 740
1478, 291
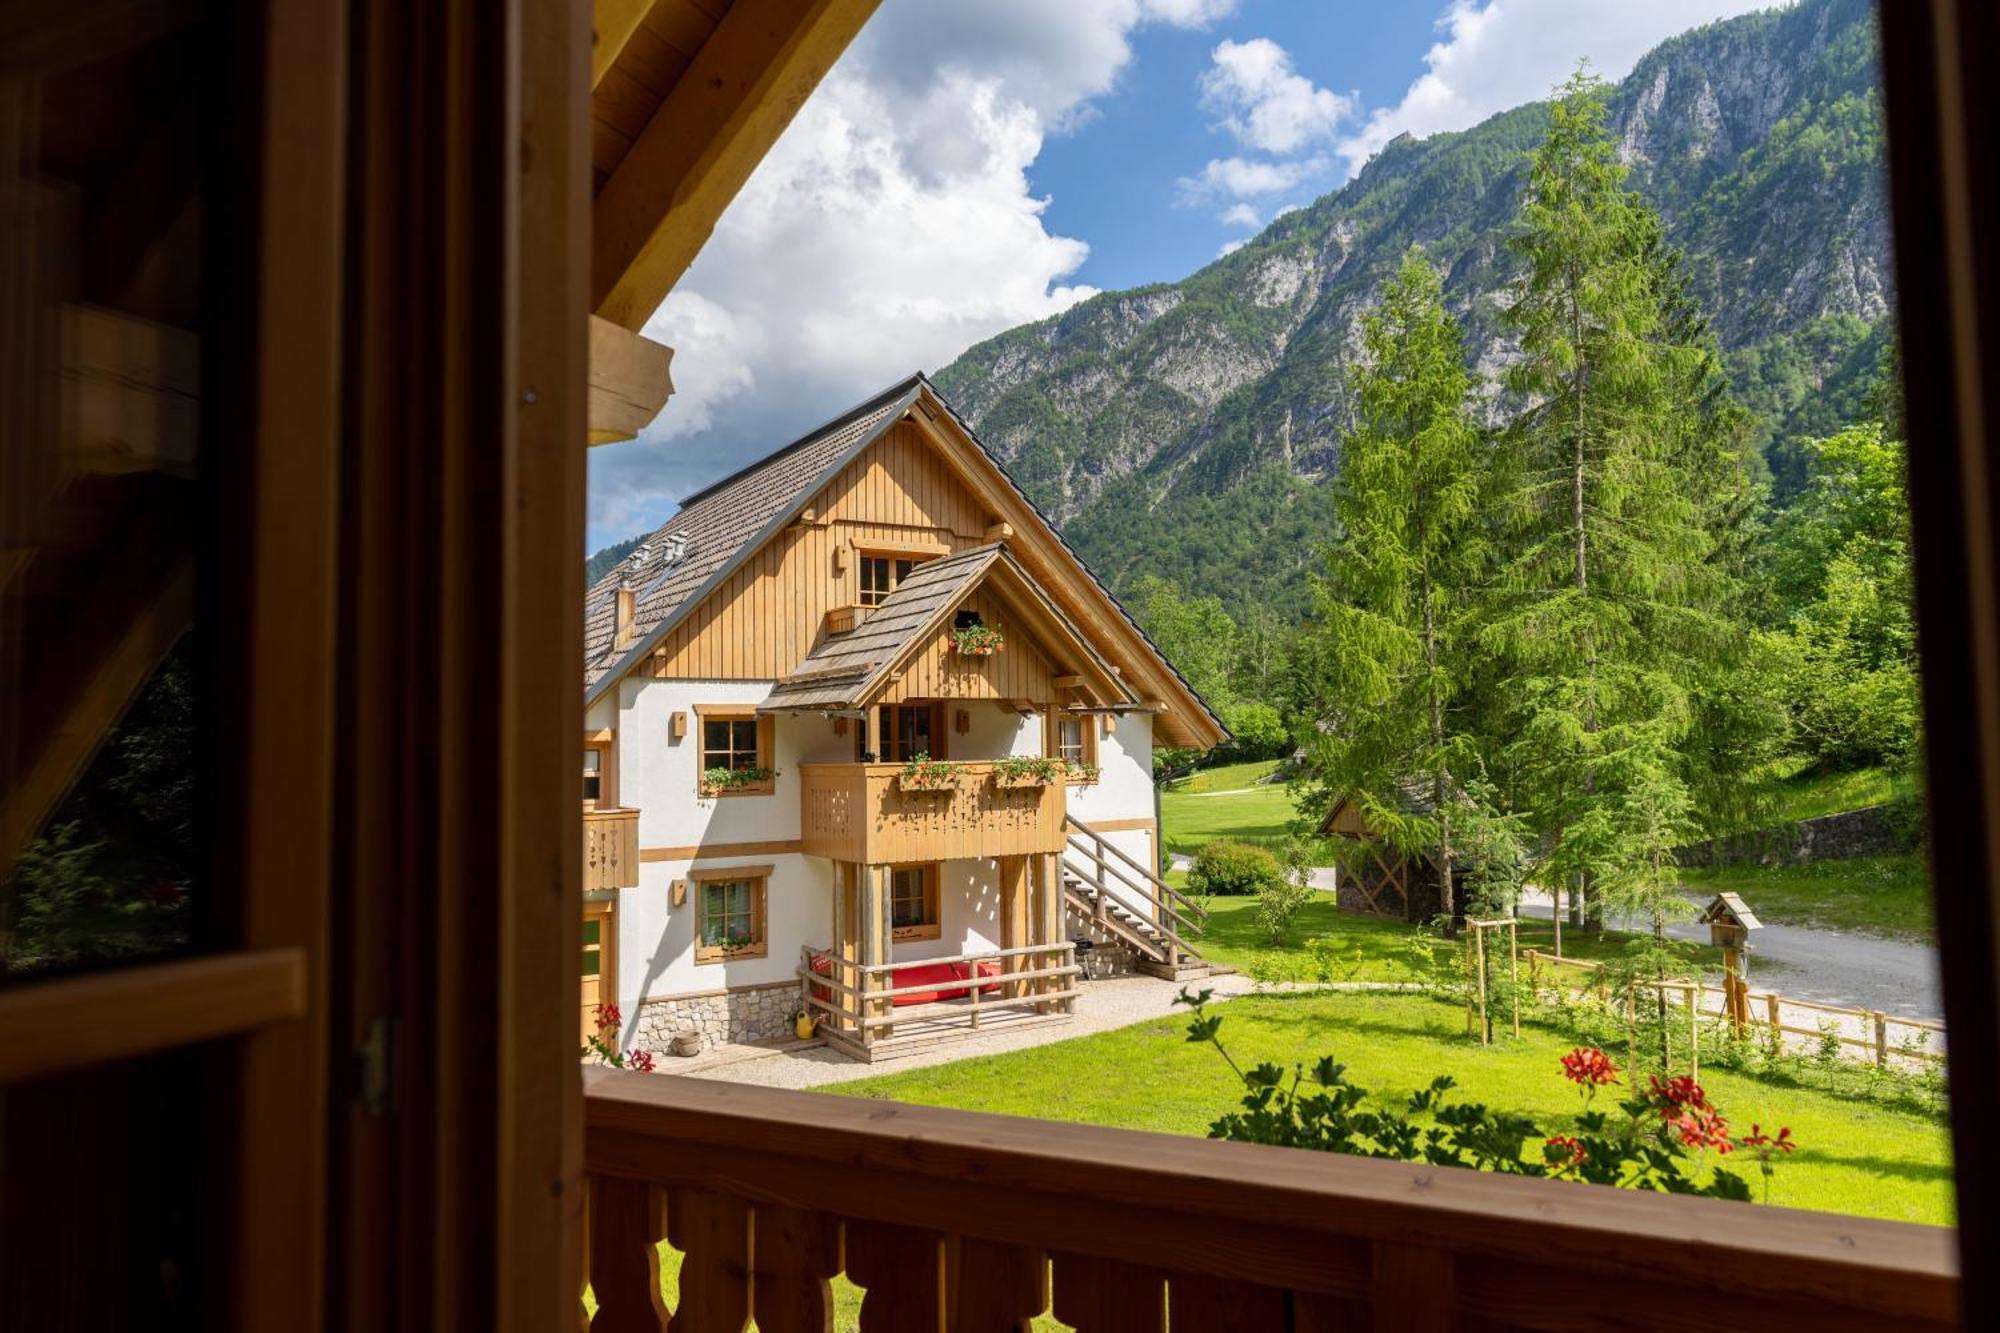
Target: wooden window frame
759, 880
767, 748
933, 927
598, 801
873, 729
892, 559
1052, 740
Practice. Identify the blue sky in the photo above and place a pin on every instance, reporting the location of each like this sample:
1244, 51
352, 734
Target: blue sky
1114, 180
973, 165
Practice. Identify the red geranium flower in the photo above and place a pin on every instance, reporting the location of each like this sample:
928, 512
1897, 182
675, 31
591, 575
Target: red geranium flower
1589, 1066
608, 1016
1684, 1108
642, 1061
1564, 1153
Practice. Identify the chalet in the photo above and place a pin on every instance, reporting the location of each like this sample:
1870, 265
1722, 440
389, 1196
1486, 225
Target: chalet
859, 726
1380, 878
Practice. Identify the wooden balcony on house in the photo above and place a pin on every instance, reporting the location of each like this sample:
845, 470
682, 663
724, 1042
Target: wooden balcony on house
864, 813
958, 1220
610, 849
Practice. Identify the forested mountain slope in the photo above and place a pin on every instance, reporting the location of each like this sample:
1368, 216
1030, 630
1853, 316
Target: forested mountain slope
1189, 429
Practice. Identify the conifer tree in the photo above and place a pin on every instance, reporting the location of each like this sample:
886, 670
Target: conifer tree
1607, 595
1402, 572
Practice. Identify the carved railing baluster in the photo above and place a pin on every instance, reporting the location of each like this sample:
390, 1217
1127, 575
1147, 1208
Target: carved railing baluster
902, 1270
713, 1231
625, 1233
794, 1254
994, 1288
1200, 1304
1107, 1296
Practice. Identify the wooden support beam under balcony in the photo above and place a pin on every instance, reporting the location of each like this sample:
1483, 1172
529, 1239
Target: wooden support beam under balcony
870, 813
610, 849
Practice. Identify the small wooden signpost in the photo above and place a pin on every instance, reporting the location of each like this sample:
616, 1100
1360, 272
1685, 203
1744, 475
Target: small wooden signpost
1730, 922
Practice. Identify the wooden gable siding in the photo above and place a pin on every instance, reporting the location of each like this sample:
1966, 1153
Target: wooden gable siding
1020, 671
900, 481
768, 615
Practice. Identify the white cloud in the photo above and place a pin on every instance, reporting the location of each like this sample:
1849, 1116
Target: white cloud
1230, 248
1288, 208
1264, 103
1499, 54
1246, 178
1240, 215
891, 227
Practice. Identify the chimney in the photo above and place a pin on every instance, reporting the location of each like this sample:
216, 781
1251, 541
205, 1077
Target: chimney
623, 634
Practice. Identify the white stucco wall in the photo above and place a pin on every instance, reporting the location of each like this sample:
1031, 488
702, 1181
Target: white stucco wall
658, 775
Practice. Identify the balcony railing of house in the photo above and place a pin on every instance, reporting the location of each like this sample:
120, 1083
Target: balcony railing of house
610, 849
869, 813
856, 1005
964, 1221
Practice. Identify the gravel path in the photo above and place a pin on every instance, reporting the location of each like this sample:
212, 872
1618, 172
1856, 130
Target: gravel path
1113, 1003
1826, 966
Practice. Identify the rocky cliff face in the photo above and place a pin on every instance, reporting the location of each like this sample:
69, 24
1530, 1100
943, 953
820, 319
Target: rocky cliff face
1186, 429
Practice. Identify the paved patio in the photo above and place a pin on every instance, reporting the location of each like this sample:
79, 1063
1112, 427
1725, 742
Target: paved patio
1113, 1003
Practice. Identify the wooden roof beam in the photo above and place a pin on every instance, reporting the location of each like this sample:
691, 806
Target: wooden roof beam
612, 23
630, 381
750, 78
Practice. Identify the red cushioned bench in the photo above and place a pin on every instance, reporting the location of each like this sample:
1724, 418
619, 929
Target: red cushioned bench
939, 975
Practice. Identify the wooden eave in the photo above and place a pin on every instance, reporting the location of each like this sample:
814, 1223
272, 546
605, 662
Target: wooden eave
686, 97
1002, 576
1054, 565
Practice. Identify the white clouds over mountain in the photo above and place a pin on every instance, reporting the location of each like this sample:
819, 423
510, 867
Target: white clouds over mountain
1264, 103
1502, 53
891, 227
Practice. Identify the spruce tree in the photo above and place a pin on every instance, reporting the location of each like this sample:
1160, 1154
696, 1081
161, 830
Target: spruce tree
1606, 605
1409, 555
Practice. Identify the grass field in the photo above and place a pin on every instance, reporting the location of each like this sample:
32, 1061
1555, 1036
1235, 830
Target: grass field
1855, 1157
1878, 895
1225, 802
1792, 796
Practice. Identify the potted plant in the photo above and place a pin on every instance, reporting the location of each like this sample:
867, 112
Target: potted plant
977, 640
1078, 772
1026, 771
923, 773
717, 780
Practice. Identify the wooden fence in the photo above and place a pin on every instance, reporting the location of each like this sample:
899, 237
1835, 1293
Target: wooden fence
1874, 1027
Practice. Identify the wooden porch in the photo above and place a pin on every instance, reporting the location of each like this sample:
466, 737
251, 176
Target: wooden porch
971, 1222
610, 849
854, 997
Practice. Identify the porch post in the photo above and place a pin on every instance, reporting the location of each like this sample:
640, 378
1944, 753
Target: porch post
873, 935
846, 939
1014, 919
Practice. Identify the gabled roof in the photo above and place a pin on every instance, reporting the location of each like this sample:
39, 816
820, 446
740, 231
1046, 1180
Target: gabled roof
720, 528
717, 529
847, 670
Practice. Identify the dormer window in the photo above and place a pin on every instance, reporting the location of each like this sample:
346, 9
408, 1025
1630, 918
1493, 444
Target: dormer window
881, 575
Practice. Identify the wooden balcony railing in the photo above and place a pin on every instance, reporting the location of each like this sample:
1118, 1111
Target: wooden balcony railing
610, 849
962, 1221
863, 813
854, 1003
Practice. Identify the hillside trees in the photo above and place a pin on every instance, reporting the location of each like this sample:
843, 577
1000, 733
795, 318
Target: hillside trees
1403, 573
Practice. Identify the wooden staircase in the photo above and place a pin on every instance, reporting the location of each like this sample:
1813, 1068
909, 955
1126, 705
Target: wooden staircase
1118, 900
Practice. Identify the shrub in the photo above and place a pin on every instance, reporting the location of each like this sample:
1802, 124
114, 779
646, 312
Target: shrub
1256, 731
1230, 868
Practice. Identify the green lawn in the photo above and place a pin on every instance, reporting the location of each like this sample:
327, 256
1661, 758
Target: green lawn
1856, 1157
1879, 895
1791, 795
1225, 802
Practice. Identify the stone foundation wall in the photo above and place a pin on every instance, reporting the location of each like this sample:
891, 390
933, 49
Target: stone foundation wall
739, 1016
1871, 831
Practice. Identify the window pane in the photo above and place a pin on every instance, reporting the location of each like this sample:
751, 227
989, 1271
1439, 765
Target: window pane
715, 735
590, 962
592, 930
745, 740
592, 761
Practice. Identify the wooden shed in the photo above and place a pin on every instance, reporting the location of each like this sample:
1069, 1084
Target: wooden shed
1381, 879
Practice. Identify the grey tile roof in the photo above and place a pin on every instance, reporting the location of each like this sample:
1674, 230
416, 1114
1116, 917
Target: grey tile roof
717, 529
836, 675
